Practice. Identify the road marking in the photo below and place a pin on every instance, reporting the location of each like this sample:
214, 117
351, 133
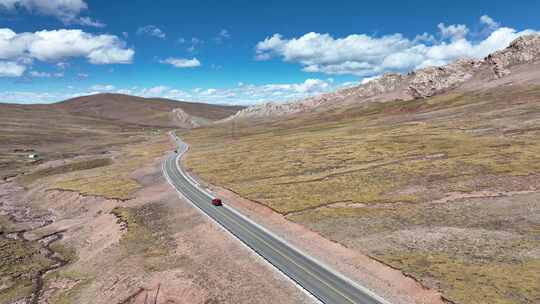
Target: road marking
238, 224
193, 189
288, 258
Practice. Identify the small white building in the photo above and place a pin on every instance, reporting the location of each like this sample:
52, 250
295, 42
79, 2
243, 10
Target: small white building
33, 156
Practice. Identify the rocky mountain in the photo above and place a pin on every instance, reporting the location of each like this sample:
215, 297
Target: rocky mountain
467, 73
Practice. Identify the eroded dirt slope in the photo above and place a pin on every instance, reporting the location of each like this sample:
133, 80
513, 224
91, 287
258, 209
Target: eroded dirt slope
132, 243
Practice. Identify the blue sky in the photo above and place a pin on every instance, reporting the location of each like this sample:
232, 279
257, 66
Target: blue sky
237, 51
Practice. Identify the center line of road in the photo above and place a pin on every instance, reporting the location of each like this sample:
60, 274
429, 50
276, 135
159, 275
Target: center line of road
286, 257
325, 284
241, 226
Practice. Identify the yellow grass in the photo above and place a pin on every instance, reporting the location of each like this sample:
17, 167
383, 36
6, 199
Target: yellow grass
411, 152
292, 167
115, 180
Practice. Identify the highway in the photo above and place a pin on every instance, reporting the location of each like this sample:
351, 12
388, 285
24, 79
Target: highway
325, 284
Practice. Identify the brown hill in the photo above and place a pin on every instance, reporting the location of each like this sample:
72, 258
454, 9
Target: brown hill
146, 111
90, 124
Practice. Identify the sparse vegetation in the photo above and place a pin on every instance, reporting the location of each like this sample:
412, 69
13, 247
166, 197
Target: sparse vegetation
145, 230
19, 262
292, 166
359, 175
114, 180
71, 167
465, 282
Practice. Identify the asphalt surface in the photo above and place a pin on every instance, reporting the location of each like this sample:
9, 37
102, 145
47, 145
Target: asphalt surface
325, 284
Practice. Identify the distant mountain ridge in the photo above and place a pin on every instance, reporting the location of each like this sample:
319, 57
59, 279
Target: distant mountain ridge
146, 111
467, 73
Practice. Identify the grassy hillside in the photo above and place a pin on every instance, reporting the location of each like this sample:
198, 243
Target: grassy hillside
143, 111
87, 125
416, 184
55, 135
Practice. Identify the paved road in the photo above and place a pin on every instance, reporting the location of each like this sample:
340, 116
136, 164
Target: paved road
322, 282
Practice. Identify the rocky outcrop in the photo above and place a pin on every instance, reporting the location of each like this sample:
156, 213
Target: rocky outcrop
422, 83
522, 50
184, 120
433, 80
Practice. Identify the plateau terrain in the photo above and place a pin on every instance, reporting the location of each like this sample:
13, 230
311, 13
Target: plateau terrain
91, 218
283, 152
434, 173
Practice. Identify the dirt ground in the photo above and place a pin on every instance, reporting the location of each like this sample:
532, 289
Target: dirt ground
152, 246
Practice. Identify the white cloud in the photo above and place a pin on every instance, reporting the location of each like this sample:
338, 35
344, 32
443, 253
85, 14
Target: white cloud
182, 62
195, 42
312, 85
38, 74
87, 21
222, 35
368, 79
365, 55
61, 44
67, 11
248, 94
11, 69
157, 91
209, 91
454, 31
487, 20
62, 65
32, 97
151, 30
244, 94
102, 87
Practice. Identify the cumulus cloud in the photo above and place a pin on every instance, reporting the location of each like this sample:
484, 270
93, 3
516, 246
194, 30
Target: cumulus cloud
365, 55
11, 69
182, 62
57, 45
454, 31
151, 30
67, 11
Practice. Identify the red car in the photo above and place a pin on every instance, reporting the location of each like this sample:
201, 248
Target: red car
217, 202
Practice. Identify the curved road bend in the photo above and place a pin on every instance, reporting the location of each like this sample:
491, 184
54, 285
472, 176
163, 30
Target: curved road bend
325, 284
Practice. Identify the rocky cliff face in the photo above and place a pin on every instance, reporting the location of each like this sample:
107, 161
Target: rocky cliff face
524, 49
421, 83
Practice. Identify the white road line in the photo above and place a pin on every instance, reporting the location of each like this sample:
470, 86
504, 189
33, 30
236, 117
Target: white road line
182, 149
